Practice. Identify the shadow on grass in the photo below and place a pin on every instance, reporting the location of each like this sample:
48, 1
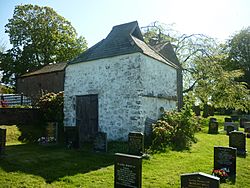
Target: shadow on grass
52, 162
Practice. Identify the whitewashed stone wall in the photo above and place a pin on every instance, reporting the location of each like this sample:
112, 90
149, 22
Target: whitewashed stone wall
127, 86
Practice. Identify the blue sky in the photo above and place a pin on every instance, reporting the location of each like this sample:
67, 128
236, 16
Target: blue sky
94, 19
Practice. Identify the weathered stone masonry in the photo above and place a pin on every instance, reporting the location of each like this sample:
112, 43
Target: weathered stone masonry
130, 88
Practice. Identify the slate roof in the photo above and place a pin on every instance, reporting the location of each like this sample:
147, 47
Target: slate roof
167, 51
123, 39
48, 69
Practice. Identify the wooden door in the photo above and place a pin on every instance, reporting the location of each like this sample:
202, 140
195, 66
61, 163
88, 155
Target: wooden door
87, 117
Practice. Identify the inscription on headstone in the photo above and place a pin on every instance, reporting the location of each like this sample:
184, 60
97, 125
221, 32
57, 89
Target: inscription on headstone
2, 140
100, 143
225, 158
128, 171
199, 180
135, 143
237, 140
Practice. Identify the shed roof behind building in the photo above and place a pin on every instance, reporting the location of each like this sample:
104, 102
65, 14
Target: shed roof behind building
123, 39
48, 69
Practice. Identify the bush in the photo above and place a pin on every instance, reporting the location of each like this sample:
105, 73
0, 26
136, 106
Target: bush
51, 105
175, 130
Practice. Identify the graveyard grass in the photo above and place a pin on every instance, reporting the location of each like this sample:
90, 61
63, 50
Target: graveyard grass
30, 165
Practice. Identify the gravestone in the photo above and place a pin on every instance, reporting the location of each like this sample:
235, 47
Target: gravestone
226, 124
235, 118
242, 122
247, 129
135, 143
199, 180
148, 130
100, 142
230, 129
72, 137
52, 132
237, 140
2, 140
225, 158
227, 119
128, 171
213, 127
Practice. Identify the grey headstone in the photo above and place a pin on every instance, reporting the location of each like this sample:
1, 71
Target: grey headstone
199, 180
135, 143
100, 142
237, 140
225, 158
128, 171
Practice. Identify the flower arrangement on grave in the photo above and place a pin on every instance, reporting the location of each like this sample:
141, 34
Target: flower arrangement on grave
221, 173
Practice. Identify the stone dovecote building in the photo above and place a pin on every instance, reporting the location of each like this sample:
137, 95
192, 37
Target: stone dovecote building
119, 83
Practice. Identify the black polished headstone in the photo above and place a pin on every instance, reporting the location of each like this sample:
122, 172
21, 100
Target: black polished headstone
225, 158
2, 140
237, 140
135, 143
199, 180
128, 171
100, 142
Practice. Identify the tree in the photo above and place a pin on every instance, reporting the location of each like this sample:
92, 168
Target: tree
239, 54
39, 36
202, 59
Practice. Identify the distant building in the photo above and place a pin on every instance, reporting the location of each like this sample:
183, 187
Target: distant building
50, 78
119, 83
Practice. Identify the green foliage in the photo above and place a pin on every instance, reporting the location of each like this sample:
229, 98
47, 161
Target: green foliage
39, 36
51, 105
239, 54
175, 129
6, 90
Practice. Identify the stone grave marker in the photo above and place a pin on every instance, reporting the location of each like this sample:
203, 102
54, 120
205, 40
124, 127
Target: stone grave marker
199, 180
72, 137
135, 143
226, 124
237, 140
227, 119
52, 132
230, 129
100, 142
213, 127
247, 129
2, 140
225, 158
242, 122
148, 130
128, 171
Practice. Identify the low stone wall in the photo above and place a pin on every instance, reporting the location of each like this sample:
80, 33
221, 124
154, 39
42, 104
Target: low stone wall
13, 116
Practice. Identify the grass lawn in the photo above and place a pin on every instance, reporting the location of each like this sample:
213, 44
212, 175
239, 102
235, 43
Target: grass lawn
27, 165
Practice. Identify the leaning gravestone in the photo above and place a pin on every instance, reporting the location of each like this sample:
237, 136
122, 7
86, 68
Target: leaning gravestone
199, 180
2, 140
128, 171
237, 140
135, 143
100, 142
225, 158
